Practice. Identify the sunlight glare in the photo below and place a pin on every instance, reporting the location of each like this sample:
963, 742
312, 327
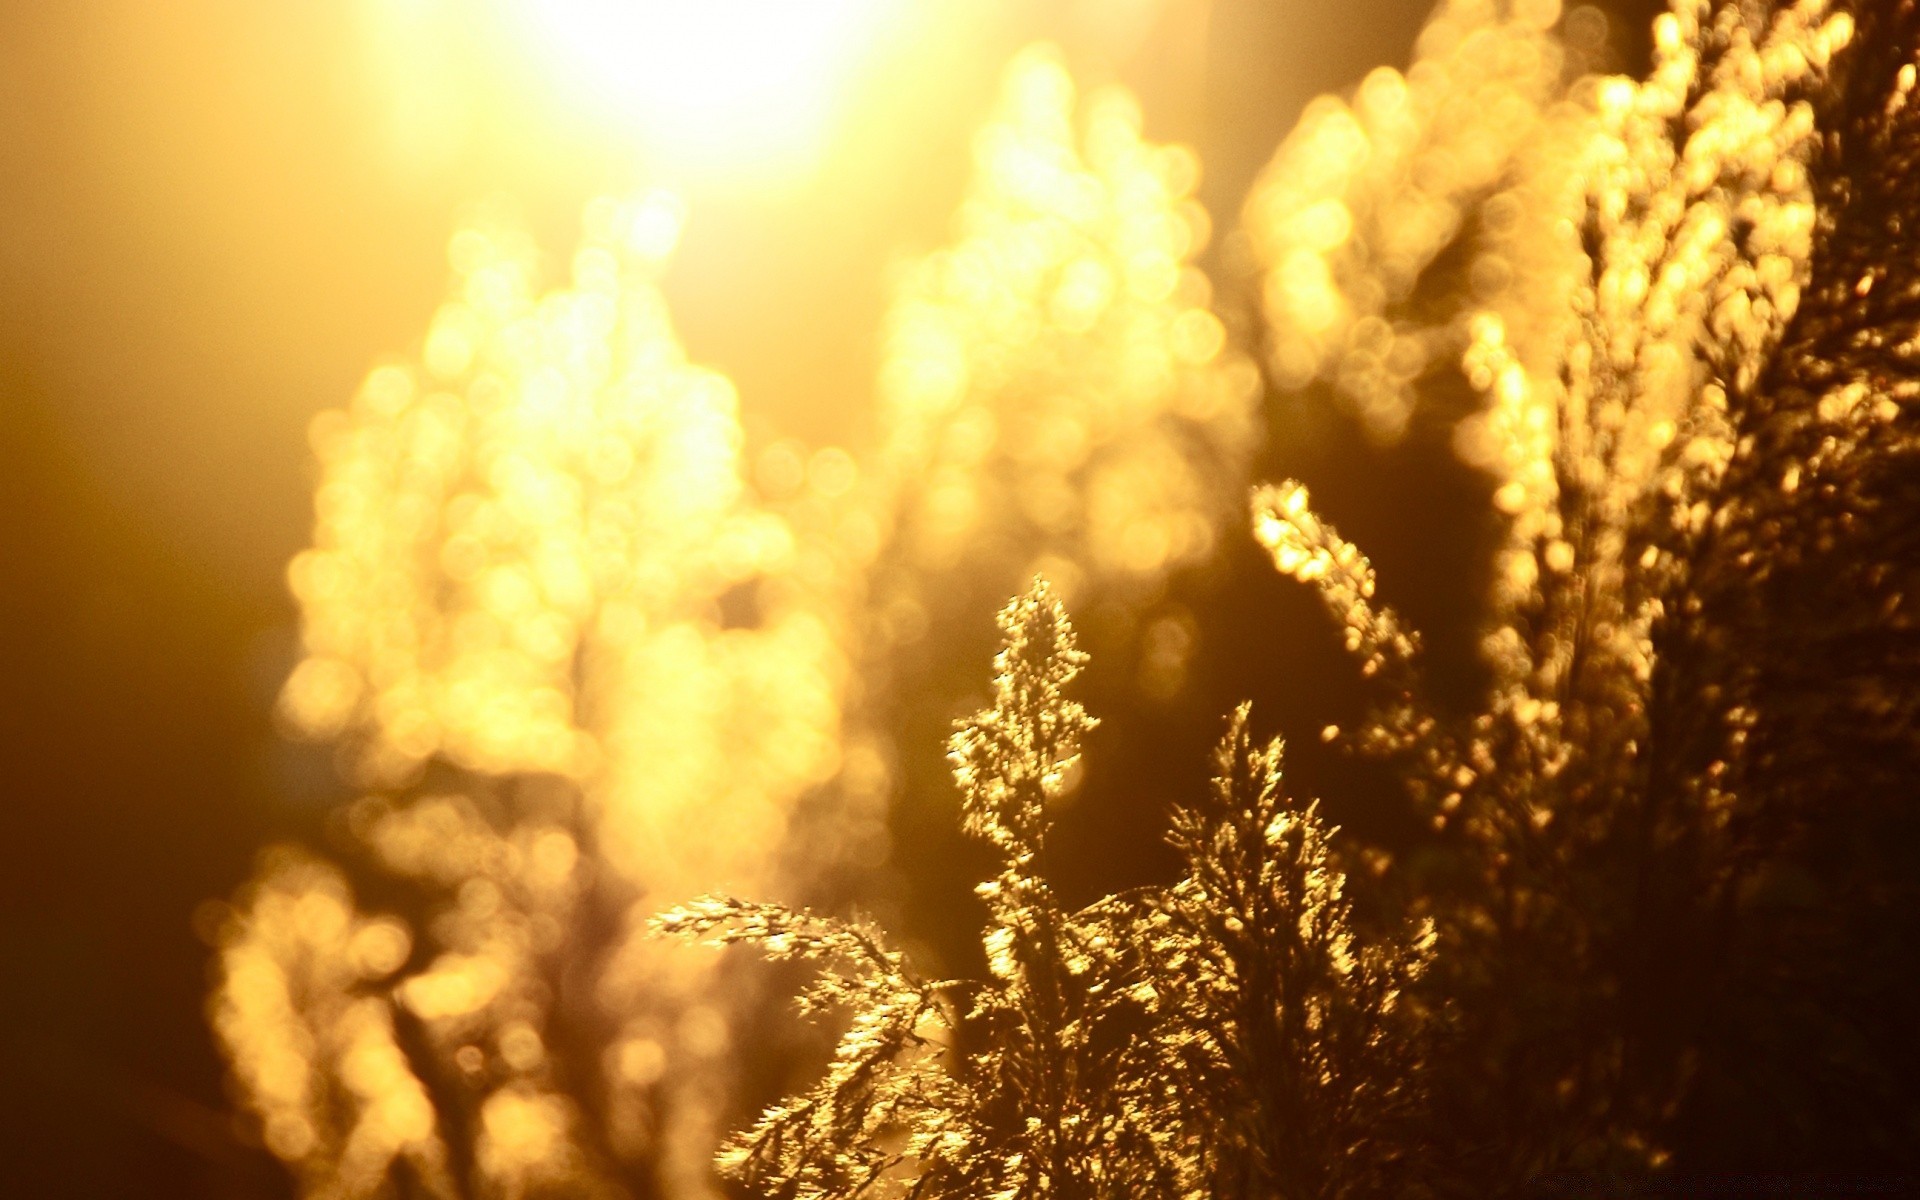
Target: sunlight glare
711, 82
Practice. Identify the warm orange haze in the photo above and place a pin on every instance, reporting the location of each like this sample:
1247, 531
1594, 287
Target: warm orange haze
551, 532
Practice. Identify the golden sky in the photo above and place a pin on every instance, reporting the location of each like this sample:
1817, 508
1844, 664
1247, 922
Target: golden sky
217, 214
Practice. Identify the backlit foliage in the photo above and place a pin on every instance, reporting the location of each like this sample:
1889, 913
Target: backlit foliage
540, 578
301, 1012
1364, 196
523, 545
1034, 1099
520, 538
1294, 1055
1613, 266
1054, 382
1225, 1036
585, 666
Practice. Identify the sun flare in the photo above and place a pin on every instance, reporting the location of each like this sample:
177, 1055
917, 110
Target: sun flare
710, 82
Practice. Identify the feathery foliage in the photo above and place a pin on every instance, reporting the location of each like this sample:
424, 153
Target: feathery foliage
1662, 277
1672, 324
1228, 1035
1294, 1052
1034, 1097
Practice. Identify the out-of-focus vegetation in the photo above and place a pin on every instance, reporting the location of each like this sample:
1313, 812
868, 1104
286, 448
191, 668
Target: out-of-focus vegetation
589, 652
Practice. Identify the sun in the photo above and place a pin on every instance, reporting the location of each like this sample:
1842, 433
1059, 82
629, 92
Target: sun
710, 83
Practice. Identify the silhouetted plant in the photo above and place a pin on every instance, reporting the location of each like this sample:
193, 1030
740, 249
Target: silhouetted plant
1671, 308
1021, 1084
546, 562
1671, 321
1225, 1036
1294, 1053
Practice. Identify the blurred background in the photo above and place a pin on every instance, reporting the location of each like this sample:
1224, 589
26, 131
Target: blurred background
216, 215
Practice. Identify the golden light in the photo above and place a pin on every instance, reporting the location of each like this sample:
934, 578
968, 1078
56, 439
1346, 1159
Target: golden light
710, 83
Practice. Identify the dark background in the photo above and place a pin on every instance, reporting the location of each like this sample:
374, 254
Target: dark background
206, 236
